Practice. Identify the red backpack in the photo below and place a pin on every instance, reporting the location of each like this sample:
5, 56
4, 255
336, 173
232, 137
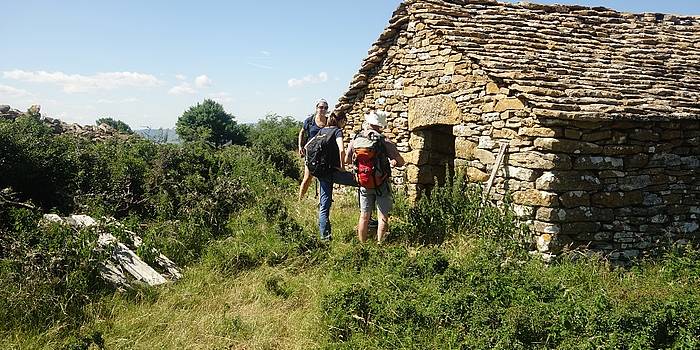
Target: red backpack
371, 159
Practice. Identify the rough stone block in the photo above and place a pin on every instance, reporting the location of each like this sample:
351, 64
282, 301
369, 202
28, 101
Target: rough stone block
631, 183
505, 134
537, 160
566, 146
520, 173
434, 110
539, 132
546, 227
464, 148
476, 175
579, 214
484, 156
636, 161
597, 136
492, 88
558, 181
665, 160
464, 131
575, 199
536, 198
616, 199
509, 104
577, 228
598, 163
573, 134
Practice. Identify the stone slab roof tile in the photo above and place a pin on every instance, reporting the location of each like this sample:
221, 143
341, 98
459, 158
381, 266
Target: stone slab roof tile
609, 65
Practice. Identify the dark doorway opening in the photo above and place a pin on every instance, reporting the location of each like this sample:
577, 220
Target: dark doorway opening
436, 146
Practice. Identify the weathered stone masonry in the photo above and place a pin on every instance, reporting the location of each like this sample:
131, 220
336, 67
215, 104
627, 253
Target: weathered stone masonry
600, 111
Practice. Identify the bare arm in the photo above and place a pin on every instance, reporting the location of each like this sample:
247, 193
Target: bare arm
300, 141
348, 154
395, 158
341, 149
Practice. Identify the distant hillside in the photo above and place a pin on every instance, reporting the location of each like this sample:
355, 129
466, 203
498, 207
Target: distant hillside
159, 135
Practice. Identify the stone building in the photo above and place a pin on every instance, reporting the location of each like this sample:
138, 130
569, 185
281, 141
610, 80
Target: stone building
599, 111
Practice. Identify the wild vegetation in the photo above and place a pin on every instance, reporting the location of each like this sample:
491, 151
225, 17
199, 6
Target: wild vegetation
454, 274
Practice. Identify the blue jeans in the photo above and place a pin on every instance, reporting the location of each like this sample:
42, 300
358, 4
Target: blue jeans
324, 207
326, 199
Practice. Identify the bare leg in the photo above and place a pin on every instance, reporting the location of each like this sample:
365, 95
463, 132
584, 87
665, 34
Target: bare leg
382, 227
305, 183
362, 226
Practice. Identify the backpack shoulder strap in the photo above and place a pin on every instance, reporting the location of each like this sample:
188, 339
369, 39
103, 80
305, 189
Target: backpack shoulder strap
307, 123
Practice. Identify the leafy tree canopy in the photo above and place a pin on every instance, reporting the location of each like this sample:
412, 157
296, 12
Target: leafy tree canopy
116, 124
207, 121
275, 129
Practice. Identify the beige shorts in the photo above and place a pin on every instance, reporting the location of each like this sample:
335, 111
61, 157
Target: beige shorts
382, 199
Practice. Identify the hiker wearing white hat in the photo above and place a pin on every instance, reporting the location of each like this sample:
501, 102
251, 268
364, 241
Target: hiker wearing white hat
373, 156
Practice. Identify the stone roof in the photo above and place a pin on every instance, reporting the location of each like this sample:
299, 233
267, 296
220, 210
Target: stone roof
570, 62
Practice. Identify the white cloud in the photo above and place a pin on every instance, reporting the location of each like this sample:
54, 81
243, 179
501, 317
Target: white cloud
221, 97
72, 83
309, 79
180, 77
126, 100
9, 91
265, 53
202, 81
293, 99
182, 89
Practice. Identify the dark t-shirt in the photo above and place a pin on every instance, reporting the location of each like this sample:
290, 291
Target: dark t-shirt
310, 127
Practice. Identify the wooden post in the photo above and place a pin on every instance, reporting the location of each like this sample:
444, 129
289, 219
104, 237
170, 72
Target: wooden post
496, 166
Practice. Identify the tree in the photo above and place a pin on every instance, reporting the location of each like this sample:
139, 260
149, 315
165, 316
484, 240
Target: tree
116, 124
207, 121
275, 129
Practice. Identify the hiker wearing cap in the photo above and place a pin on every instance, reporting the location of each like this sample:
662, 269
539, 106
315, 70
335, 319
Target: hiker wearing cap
324, 159
312, 125
373, 156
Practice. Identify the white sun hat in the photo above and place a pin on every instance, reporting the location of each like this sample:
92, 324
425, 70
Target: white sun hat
377, 118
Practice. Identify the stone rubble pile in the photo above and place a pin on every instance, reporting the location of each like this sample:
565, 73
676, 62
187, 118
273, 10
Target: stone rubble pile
91, 132
123, 266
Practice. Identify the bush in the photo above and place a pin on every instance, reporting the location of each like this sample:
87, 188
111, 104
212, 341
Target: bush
48, 273
37, 164
207, 121
429, 299
454, 208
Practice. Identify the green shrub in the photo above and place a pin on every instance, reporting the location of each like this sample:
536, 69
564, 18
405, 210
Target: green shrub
48, 273
455, 207
37, 164
402, 297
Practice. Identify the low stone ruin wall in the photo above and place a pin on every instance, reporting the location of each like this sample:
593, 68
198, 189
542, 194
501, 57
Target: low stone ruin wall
92, 132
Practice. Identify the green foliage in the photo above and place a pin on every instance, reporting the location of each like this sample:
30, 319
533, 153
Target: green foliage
36, 163
48, 272
453, 208
263, 235
116, 124
275, 130
207, 121
275, 139
394, 297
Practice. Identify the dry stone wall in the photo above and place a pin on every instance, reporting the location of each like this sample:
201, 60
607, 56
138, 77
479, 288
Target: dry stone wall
92, 132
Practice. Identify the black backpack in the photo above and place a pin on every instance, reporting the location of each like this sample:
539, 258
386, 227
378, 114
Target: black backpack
322, 153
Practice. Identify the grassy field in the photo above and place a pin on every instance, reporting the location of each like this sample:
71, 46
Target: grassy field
465, 293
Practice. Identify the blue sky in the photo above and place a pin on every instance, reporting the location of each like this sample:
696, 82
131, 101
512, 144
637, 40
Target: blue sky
145, 62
